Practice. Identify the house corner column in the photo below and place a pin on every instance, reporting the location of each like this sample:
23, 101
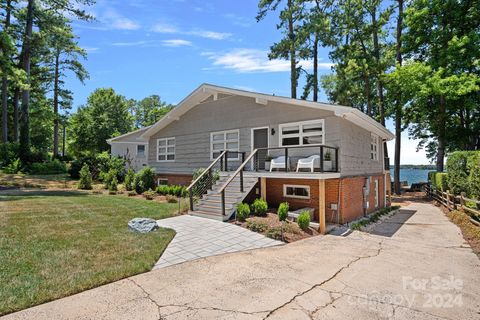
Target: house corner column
321, 206
263, 188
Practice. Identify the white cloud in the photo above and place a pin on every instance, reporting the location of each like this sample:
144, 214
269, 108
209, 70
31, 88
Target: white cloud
171, 29
114, 20
130, 44
176, 43
238, 20
253, 60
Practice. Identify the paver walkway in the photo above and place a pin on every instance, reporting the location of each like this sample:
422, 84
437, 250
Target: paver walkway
200, 237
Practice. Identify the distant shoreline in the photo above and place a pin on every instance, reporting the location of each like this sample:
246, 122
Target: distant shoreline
417, 166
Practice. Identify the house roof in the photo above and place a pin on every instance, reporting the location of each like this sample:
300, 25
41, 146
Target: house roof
126, 135
206, 90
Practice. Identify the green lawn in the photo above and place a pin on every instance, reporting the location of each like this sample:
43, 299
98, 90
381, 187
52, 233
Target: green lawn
56, 243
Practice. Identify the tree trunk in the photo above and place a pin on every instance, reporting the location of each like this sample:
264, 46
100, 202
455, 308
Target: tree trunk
293, 58
315, 68
16, 117
5, 82
441, 136
25, 123
398, 105
55, 104
64, 138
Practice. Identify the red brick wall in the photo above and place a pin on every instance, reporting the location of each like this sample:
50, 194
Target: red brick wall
351, 196
275, 196
176, 179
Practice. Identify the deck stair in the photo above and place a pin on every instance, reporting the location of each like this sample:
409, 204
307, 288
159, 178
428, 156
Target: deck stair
210, 204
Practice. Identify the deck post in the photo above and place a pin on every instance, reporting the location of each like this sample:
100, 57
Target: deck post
286, 159
462, 201
336, 159
241, 180
210, 179
321, 159
223, 202
221, 163
263, 188
226, 161
321, 206
190, 193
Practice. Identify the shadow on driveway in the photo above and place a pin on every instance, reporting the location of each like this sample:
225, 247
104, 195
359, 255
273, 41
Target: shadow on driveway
389, 227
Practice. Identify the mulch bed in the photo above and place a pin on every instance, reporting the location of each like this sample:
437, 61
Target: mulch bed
271, 227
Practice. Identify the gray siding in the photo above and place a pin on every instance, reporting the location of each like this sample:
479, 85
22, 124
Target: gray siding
192, 133
129, 151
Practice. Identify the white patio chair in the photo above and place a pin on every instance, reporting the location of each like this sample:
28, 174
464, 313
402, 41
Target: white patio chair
309, 163
279, 163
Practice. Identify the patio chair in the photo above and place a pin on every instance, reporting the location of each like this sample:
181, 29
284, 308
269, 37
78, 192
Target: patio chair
309, 163
279, 163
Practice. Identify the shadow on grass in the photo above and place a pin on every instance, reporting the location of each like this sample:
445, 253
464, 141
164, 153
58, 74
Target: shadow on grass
18, 194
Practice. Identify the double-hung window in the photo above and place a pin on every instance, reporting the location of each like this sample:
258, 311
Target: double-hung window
140, 150
374, 147
166, 149
302, 133
225, 140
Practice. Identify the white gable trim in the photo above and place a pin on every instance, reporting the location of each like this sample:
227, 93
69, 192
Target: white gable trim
206, 90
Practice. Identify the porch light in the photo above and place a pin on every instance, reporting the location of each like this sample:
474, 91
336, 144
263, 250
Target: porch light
273, 131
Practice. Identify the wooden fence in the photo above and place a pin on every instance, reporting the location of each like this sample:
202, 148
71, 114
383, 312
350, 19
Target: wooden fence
454, 202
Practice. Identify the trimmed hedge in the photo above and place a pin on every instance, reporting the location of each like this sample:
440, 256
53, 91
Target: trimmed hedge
438, 180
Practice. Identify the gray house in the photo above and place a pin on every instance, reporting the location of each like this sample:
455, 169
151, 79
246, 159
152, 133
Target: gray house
321, 156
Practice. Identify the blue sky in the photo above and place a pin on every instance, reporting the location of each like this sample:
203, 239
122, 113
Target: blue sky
169, 47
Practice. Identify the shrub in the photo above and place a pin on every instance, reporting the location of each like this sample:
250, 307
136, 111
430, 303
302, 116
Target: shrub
457, 179
144, 180
14, 167
149, 194
129, 179
109, 179
99, 165
243, 211
282, 211
259, 207
257, 226
163, 190
171, 199
178, 191
131, 193
275, 233
438, 180
85, 181
113, 184
49, 167
8, 153
473, 166
303, 220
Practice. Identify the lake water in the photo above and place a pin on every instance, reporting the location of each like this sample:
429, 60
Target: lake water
412, 175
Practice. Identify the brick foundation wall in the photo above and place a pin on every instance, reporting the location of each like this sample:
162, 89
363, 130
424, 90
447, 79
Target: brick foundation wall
175, 179
348, 190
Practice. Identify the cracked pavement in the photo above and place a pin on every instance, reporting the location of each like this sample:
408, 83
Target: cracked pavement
394, 272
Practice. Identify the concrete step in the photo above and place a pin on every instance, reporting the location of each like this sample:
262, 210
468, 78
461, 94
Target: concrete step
209, 215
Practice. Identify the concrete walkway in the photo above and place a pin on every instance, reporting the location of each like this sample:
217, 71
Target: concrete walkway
200, 237
415, 266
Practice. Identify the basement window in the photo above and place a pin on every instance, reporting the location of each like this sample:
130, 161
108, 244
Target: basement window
162, 182
296, 191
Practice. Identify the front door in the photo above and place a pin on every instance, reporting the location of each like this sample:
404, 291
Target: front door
260, 140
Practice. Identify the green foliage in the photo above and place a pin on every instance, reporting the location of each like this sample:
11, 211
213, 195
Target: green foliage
474, 176
149, 194
144, 180
303, 220
8, 154
99, 165
259, 207
149, 110
257, 226
171, 199
110, 180
49, 167
105, 115
129, 179
14, 167
438, 180
85, 181
178, 191
243, 211
457, 179
282, 211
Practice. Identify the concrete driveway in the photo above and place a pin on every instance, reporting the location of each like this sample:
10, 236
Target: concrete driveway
416, 265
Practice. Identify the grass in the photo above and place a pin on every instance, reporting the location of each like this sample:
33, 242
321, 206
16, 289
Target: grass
57, 243
372, 218
62, 180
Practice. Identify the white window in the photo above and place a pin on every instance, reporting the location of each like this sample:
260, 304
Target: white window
295, 191
166, 149
140, 150
376, 193
374, 147
225, 140
162, 182
302, 133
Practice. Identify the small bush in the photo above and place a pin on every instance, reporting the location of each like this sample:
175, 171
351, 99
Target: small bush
259, 207
144, 180
438, 180
49, 167
149, 194
129, 180
113, 184
85, 181
14, 167
8, 153
109, 178
474, 175
178, 191
303, 220
257, 226
274, 233
282, 211
171, 199
243, 211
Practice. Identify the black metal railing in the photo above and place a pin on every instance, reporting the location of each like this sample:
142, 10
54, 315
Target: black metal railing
227, 162
327, 157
